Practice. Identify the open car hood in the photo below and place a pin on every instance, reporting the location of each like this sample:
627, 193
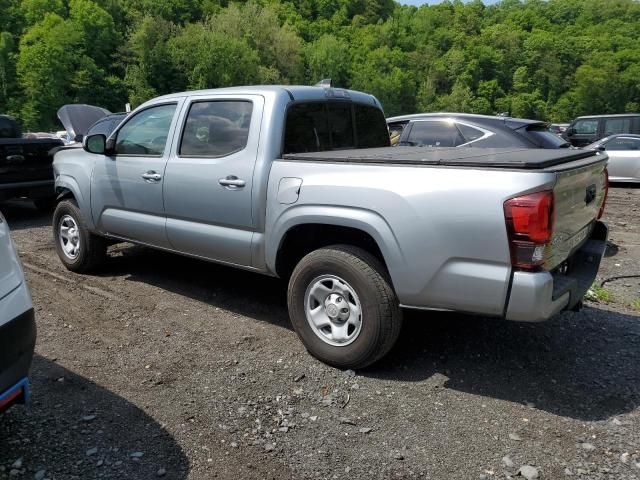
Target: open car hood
77, 118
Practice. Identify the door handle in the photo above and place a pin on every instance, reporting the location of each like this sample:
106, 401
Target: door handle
232, 182
151, 176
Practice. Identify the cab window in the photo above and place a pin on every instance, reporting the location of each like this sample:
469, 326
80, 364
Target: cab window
216, 128
586, 127
146, 132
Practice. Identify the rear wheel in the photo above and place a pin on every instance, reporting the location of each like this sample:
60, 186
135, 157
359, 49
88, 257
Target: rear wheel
342, 306
78, 249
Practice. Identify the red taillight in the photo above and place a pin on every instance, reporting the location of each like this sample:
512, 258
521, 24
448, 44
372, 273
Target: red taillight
530, 227
606, 193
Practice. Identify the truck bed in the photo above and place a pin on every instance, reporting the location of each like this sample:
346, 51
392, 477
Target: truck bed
516, 158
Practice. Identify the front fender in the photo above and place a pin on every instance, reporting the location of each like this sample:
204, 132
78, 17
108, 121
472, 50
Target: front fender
365, 220
68, 183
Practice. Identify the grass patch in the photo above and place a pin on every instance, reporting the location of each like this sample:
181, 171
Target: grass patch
636, 304
599, 294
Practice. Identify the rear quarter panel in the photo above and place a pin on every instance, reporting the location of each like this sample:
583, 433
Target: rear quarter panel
441, 230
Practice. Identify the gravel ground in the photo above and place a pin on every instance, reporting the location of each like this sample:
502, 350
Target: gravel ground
165, 367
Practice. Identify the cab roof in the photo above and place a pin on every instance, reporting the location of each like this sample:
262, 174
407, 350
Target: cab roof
293, 92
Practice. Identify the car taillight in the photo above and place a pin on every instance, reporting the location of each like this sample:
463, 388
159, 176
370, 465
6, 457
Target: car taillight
529, 221
606, 193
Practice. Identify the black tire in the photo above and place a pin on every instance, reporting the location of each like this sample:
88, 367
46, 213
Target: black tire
381, 314
93, 248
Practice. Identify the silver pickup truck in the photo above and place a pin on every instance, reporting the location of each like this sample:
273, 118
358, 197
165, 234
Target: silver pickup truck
300, 183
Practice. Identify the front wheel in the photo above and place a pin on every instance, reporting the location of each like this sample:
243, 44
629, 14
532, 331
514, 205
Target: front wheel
342, 306
78, 249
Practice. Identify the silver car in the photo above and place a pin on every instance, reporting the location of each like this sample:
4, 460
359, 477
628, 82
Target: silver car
623, 150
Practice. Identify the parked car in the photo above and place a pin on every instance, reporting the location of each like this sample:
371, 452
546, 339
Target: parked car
623, 151
468, 130
558, 128
77, 118
588, 129
296, 182
25, 164
17, 325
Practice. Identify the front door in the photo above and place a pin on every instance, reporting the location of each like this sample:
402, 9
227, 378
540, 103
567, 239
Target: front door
624, 158
209, 178
126, 187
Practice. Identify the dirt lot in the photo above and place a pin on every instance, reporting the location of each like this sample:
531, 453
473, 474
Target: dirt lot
161, 366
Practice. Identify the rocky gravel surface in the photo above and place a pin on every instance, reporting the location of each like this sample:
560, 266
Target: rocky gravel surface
165, 367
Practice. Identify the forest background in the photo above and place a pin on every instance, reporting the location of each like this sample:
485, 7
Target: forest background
549, 60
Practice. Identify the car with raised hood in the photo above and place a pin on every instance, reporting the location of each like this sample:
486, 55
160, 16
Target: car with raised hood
469, 130
623, 151
25, 164
17, 325
301, 183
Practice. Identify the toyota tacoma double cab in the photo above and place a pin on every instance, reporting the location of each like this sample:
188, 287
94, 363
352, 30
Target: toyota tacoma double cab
301, 183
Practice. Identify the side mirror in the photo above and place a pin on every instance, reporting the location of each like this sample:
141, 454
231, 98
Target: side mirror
95, 144
571, 131
601, 148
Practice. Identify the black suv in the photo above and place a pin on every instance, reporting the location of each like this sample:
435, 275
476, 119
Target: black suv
468, 130
588, 129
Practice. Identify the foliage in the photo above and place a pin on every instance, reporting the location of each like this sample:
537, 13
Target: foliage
550, 60
598, 294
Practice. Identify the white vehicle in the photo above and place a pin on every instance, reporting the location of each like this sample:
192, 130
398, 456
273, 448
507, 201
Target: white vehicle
623, 150
17, 325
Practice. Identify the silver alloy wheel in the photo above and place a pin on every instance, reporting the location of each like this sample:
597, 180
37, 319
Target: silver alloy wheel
333, 310
69, 236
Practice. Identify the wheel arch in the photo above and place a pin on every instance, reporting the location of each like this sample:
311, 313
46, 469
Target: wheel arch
304, 229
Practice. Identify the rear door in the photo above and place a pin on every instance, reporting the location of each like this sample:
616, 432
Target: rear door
209, 178
126, 188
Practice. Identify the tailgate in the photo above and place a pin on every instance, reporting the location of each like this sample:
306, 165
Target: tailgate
26, 160
579, 192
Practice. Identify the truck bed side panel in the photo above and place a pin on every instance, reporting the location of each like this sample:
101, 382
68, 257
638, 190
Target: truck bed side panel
447, 223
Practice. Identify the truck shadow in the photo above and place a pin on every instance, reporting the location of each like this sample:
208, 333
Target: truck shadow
245, 293
79, 416
582, 365
21, 214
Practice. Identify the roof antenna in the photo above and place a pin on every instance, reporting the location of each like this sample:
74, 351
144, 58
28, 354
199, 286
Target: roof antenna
324, 83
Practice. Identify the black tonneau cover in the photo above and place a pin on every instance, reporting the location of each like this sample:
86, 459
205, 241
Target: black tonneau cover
515, 158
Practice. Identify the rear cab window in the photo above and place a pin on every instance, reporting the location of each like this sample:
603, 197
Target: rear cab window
322, 126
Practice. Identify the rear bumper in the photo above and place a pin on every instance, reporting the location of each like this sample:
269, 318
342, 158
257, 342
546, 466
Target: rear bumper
17, 342
536, 297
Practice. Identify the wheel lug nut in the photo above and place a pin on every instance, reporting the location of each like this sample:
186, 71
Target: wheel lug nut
345, 310
338, 299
